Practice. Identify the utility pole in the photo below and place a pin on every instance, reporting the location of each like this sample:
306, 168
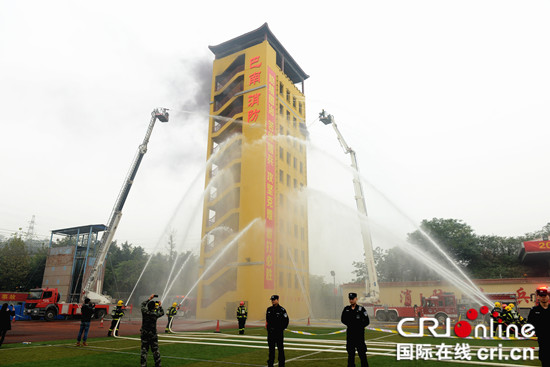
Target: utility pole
30, 229
335, 293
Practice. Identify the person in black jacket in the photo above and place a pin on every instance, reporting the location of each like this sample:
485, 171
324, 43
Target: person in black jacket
87, 312
539, 317
356, 318
276, 322
5, 321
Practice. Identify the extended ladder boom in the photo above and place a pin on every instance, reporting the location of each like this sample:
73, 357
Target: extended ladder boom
371, 284
93, 287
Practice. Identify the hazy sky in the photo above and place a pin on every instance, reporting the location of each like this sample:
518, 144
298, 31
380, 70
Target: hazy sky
445, 102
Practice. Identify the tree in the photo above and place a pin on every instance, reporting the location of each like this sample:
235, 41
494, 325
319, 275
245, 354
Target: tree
454, 237
14, 262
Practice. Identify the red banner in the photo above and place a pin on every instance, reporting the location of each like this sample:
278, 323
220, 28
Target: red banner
537, 246
13, 296
269, 268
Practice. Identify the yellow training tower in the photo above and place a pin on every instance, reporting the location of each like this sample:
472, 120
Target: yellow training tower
255, 229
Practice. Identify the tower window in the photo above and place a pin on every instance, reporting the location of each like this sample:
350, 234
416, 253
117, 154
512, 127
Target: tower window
281, 154
281, 88
288, 180
287, 95
281, 176
294, 102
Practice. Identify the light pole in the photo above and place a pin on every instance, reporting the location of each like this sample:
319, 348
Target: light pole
335, 293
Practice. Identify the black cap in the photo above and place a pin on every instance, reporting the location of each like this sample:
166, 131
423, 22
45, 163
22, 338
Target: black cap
274, 297
352, 295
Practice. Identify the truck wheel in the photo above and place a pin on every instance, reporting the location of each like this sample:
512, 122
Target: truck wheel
50, 314
99, 314
381, 316
441, 318
392, 316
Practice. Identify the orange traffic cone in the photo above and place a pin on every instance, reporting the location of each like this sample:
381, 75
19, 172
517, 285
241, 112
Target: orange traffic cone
101, 322
217, 327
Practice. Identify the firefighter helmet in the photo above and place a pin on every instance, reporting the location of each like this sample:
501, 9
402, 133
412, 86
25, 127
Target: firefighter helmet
175, 304
120, 303
497, 304
242, 303
508, 308
511, 305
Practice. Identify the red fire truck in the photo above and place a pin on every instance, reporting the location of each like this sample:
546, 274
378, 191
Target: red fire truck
439, 305
44, 302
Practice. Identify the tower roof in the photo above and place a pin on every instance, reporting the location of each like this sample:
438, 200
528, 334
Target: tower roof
291, 67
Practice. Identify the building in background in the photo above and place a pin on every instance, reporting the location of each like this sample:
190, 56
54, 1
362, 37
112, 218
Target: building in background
255, 229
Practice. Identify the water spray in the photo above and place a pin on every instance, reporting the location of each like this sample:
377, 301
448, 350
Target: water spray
222, 252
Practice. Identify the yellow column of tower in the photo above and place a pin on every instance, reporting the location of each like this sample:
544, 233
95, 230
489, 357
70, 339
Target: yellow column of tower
257, 173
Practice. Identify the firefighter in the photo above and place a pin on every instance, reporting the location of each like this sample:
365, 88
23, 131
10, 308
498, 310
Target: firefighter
539, 317
507, 316
117, 314
356, 318
242, 314
276, 320
517, 319
150, 312
495, 315
172, 311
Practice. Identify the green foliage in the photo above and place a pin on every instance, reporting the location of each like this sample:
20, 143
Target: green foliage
126, 262
14, 264
480, 256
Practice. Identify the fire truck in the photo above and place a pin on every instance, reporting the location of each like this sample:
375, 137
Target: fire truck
440, 305
44, 302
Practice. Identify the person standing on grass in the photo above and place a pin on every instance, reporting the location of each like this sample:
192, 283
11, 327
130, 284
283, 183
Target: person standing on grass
150, 312
117, 315
242, 314
5, 321
87, 312
276, 320
172, 311
356, 318
539, 317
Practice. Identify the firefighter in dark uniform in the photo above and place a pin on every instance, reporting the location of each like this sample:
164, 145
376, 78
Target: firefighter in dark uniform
172, 311
355, 317
539, 317
242, 314
276, 320
150, 312
117, 314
